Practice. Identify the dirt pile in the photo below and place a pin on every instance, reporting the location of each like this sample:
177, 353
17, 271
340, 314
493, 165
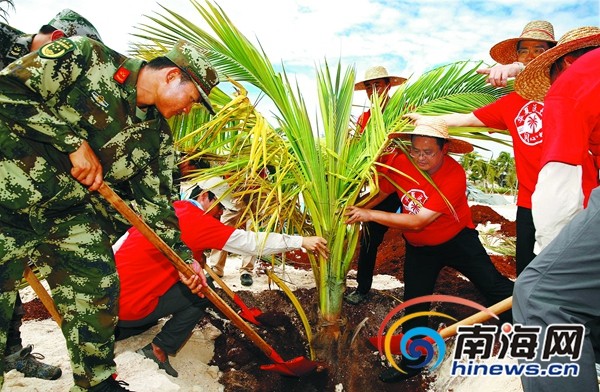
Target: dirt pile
357, 364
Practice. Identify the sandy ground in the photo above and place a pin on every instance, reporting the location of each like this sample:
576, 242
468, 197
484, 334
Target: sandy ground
192, 361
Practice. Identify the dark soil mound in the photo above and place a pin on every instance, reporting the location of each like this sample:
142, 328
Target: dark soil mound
358, 364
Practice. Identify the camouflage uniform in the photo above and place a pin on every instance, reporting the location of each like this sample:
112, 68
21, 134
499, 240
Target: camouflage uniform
50, 101
13, 44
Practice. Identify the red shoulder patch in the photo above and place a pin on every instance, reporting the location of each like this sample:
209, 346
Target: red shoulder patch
121, 75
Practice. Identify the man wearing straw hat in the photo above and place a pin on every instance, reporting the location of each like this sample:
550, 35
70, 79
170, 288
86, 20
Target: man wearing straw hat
436, 224
562, 285
377, 83
523, 119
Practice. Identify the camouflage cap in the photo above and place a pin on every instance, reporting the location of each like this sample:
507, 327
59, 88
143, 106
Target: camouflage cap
72, 24
191, 61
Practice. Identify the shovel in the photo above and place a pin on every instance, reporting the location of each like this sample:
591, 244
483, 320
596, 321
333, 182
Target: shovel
42, 294
248, 314
296, 367
451, 330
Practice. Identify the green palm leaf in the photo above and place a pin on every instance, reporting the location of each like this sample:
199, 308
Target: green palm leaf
311, 180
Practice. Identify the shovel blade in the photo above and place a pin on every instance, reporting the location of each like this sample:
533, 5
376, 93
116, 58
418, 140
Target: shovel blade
296, 367
394, 344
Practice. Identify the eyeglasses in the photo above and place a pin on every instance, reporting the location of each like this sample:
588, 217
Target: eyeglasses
526, 51
413, 152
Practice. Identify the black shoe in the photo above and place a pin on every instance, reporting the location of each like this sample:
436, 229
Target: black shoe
392, 375
356, 297
246, 279
28, 363
147, 352
110, 385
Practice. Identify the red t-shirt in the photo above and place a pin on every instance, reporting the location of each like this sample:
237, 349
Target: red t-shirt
146, 274
451, 181
572, 122
523, 119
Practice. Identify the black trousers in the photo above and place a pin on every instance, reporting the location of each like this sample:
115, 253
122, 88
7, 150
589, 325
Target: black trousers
187, 310
371, 238
464, 253
525, 238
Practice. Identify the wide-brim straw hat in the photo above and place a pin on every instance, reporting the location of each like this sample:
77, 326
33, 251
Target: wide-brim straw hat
505, 52
378, 72
534, 81
435, 127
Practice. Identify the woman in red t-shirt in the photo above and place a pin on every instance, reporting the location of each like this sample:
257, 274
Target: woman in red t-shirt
436, 224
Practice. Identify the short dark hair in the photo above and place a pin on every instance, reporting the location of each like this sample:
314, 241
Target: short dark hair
47, 29
163, 62
196, 191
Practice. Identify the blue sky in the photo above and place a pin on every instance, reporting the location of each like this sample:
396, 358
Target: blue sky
407, 37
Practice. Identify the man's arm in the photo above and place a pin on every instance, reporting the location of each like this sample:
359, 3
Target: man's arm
258, 243
558, 196
498, 75
403, 221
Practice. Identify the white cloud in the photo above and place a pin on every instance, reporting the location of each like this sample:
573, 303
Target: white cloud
407, 37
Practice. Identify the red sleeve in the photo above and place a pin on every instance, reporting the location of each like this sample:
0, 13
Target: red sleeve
492, 115
200, 231
565, 132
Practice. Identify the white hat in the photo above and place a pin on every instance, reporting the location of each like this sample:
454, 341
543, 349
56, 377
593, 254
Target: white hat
219, 187
378, 72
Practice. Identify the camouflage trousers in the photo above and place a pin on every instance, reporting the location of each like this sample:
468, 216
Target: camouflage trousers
84, 282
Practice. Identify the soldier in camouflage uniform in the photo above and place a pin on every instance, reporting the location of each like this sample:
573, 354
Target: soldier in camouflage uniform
15, 44
72, 115
67, 23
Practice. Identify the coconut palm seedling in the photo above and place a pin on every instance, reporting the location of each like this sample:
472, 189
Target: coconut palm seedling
302, 172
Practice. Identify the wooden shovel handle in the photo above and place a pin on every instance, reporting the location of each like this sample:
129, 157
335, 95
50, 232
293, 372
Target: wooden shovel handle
219, 281
42, 294
184, 268
478, 317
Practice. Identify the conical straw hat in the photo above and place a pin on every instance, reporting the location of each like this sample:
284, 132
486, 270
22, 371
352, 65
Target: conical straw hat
534, 81
505, 52
435, 127
378, 72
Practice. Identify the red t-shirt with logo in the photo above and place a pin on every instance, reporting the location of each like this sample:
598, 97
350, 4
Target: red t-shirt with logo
573, 119
146, 274
523, 119
452, 183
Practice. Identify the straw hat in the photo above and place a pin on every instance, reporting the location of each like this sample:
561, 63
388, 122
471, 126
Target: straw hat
435, 127
378, 72
534, 81
505, 52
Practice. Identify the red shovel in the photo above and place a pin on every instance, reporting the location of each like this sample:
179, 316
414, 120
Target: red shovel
248, 314
296, 367
451, 330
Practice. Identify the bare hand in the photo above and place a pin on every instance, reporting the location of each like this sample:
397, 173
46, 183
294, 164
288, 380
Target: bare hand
316, 245
413, 116
86, 167
195, 282
357, 214
498, 75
